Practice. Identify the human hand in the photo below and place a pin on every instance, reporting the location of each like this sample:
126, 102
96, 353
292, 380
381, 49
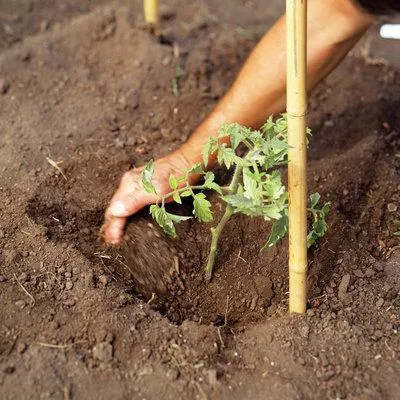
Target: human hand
131, 196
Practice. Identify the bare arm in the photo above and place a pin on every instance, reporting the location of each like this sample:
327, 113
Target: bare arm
334, 27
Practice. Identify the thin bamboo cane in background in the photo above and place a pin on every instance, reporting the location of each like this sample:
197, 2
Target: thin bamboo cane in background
296, 29
151, 13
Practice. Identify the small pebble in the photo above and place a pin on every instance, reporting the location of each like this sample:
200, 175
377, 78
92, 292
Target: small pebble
69, 302
104, 279
253, 303
301, 361
69, 285
378, 334
369, 272
380, 303
358, 273
89, 278
328, 375
68, 274
2, 278
386, 125
173, 374
392, 207
20, 303
23, 277
352, 363
103, 352
21, 347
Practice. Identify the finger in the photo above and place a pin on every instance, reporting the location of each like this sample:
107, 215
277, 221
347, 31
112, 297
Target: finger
127, 204
113, 230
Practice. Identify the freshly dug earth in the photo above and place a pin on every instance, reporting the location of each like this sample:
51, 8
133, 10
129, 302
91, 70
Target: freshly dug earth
79, 320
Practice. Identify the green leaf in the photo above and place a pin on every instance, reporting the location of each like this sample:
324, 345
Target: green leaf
319, 229
196, 169
314, 199
213, 186
206, 152
178, 218
273, 186
186, 193
272, 211
228, 157
209, 177
250, 184
279, 229
311, 238
326, 208
210, 184
173, 182
147, 176
177, 197
202, 208
236, 133
239, 202
163, 219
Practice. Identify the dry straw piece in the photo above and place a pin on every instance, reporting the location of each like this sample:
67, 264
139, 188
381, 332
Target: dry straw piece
296, 30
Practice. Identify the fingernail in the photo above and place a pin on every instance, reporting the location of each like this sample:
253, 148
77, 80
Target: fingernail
118, 209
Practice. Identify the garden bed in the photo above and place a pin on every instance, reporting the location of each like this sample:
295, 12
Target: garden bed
95, 91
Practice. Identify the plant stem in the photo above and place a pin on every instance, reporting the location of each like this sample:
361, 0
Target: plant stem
216, 232
224, 189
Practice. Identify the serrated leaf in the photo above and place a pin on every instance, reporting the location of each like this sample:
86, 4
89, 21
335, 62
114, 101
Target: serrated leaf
166, 220
196, 169
173, 182
311, 239
326, 208
147, 176
271, 212
250, 184
206, 152
186, 193
177, 197
163, 219
319, 228
228, 157
214, 186
178, 218
209, 177
278, 231
202, 208
273, 187
314, 199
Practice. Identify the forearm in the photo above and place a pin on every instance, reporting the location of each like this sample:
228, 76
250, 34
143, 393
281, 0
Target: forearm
334, 26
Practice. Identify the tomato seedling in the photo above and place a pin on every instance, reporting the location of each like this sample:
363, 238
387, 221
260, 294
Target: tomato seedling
256, 188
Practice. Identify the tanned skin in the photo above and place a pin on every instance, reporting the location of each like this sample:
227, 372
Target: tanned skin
334, 27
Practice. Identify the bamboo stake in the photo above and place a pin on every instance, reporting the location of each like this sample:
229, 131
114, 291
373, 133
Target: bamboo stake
296, 30
151, 14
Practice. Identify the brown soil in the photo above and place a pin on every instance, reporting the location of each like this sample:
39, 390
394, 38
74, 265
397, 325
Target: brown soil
78, 320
